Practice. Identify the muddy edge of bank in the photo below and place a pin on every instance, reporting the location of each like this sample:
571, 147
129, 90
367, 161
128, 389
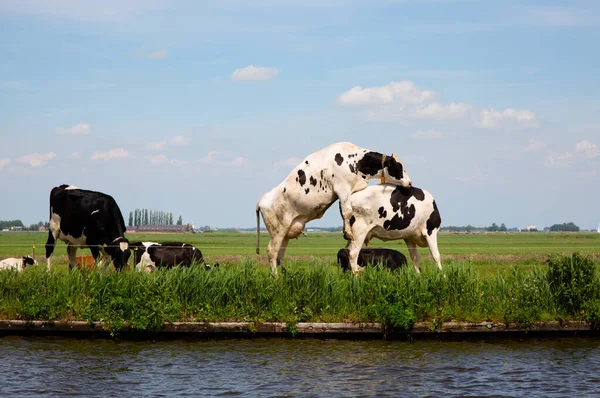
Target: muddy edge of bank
374, 331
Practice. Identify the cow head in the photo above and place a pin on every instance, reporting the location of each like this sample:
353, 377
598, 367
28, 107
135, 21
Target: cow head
119, 250
28, 260
394, 172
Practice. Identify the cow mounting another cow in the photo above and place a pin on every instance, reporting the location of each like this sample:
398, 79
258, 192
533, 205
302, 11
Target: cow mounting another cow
334, 172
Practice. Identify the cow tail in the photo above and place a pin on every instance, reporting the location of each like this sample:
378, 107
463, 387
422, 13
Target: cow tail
257, 230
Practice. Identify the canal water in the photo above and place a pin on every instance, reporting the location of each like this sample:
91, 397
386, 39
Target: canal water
52, 366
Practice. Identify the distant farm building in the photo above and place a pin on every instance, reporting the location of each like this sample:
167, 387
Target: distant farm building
531, 228
161, 228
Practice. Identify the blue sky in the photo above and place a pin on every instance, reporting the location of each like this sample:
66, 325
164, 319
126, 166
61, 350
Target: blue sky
199, 107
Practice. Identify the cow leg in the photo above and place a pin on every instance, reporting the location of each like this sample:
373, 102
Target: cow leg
50, 244
72, 252
281, 254
360, 233
273, 252
433, 248
346, 210
414, 254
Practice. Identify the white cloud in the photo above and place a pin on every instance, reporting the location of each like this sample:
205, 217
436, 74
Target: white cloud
584, 150
219, 158
587, 149
4, 162
427, 135
178, 140
116, 153
401, 101
491, 118
254, 73
163, 159
534, 146
75, 155
290, 162
160, 54
36, 159
78, 129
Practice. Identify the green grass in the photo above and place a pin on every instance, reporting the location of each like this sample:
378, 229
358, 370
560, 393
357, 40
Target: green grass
564, 288
485, 252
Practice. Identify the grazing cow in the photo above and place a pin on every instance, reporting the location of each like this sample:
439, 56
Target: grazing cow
334, 172
90, 219
391, 212
17, 263
388, 258
148, 256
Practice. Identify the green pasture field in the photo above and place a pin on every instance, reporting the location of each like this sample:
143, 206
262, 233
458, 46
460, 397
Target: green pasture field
486, 252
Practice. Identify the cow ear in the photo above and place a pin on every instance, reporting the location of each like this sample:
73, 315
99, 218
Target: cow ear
124, 246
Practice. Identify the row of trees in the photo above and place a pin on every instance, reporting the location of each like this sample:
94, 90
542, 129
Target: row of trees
565, 227
151, 217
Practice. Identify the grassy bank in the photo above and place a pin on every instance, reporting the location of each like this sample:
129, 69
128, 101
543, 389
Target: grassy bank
564, 288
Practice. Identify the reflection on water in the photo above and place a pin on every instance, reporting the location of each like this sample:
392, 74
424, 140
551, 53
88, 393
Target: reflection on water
30, 366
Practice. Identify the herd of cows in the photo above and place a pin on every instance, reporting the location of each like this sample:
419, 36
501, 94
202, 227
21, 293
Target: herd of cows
391, 210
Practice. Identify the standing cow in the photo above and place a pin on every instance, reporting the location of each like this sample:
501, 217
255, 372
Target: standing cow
90, 219
151, 255
334, 172
391, 212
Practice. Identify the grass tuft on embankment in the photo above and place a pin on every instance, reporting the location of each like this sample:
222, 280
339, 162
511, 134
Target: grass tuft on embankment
566, 288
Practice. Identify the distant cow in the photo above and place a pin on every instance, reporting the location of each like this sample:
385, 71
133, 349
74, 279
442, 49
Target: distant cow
148, 256
90, 219
391, 212
17, 263
334, 172
388, 258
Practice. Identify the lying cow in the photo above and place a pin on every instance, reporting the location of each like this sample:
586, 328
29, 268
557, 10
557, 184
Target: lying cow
334, 172
391, 212
83, 218
17, 263
148, 256
388, 258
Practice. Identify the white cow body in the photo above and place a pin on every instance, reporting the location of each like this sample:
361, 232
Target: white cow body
17, 263
391, 212
334, 172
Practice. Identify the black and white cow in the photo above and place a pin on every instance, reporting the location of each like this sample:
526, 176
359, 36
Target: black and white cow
388, 258
17, 263
148, 256
334, 172
391, 212
90, 219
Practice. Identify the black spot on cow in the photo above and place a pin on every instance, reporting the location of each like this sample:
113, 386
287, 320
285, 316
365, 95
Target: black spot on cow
306, 161
284, 189
333, 175
382, 212
322, 171
306, 191
434, 220
352, 220
399, 201
339, 159
301, 177
313, 181
352, 169
370, 164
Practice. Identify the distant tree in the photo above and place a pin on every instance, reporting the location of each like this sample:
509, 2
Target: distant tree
11, 223
565, 227
492, 228
130, 218
502, 228
180, 221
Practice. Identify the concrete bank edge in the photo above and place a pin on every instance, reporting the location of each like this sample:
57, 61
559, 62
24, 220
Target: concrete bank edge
302, 328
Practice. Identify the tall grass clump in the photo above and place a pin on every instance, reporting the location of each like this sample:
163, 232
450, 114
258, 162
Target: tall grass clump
574, 285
